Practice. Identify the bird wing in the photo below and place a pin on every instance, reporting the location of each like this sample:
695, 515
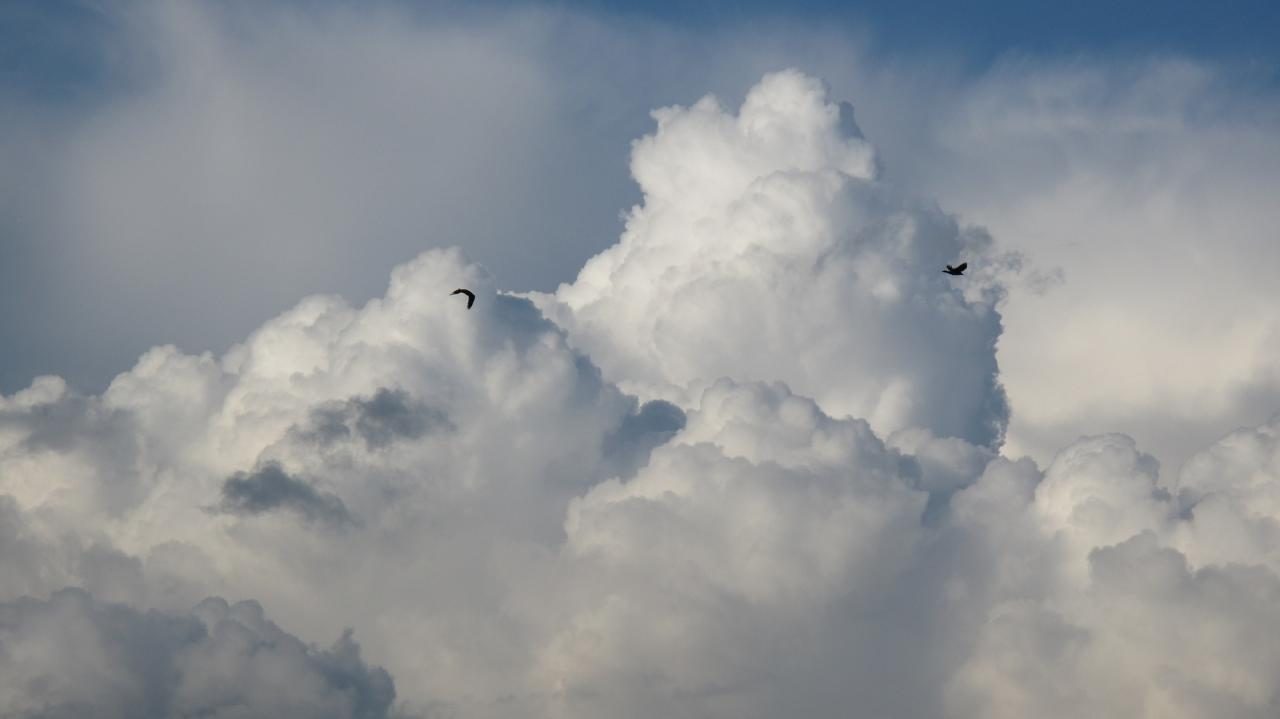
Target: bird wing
961, 267
471, 297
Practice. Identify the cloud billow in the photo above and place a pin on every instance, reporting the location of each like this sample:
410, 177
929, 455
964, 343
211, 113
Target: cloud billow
73, 655
766, 249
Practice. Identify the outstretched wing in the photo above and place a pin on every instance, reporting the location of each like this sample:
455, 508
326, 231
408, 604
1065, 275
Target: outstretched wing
471, 297
961, 267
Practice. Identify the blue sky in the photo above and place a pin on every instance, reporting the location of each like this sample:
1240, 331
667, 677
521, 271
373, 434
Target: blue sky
983, 30
51, 46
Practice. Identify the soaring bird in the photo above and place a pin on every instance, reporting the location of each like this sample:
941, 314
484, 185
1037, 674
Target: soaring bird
471, 296
957, 270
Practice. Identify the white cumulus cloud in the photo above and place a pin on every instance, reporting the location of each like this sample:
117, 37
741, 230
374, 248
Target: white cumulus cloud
766, 250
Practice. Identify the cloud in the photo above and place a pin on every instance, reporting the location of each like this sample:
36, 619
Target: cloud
1131, 594
765, 249
653, 425
458, 476
50, 420
785, 561
73, 655
385, 417
727, 552
269, 488
1140, 179
388, 416
745, 465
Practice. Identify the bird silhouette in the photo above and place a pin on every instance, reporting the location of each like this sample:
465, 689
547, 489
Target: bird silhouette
471, 296
957, 270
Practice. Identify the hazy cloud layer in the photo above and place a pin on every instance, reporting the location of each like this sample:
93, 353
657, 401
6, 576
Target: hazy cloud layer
771, 532
1143, 181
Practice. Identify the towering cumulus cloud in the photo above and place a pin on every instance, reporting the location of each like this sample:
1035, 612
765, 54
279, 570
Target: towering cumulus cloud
766, 250
745, 466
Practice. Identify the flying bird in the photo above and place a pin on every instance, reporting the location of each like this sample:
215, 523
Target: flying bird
471, 296
957, 270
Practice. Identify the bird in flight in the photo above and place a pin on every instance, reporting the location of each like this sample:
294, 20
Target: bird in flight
471, 296
957, 270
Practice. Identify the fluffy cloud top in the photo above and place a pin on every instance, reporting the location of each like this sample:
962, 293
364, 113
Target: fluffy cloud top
766, 250
805, 516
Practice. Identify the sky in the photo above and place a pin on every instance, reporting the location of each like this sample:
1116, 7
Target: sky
718, 437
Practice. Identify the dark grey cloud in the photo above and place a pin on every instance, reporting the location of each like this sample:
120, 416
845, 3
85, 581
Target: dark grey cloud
389, 415
73, 655
269, 488
628, 447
